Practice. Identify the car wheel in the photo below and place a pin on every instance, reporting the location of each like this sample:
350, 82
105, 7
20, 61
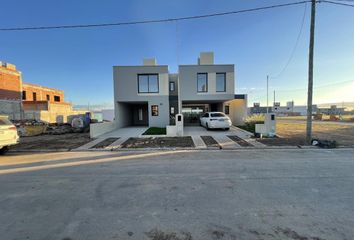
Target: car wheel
4, 150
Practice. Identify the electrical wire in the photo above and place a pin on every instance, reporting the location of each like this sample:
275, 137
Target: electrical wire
153, 21
344, 1
295, 46
337, 3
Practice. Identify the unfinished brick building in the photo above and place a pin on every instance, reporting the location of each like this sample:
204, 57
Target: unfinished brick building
21, 100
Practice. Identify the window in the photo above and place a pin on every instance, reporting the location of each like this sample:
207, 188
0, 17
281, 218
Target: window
217, 115
202, 79
34, 96
227, 109
172, 110
48, 97
5, 121
206, 115
221, 82
172, 86
56, 99
148, 83
23, 95
140, 114
154, 110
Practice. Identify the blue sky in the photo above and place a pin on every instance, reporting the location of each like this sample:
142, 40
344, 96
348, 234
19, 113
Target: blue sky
80, 61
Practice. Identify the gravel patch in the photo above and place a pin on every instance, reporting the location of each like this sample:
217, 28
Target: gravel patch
239, 141
210, 142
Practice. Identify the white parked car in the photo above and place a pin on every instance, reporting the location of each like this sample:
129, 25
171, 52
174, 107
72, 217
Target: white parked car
8, 134
215, 120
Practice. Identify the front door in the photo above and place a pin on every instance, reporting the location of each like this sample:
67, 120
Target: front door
140, 115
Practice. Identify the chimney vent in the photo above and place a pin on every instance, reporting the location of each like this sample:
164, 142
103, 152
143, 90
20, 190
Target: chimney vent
206, 58
149, 62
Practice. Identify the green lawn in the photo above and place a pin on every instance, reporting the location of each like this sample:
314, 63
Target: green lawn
155, 131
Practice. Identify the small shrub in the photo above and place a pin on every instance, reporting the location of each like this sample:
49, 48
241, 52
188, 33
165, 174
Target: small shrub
251, 121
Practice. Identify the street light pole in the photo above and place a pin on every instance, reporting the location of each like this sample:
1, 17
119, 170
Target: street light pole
310, 76
267, 92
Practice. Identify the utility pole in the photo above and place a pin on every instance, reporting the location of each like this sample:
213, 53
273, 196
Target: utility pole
267, 91
274, 98
310, 83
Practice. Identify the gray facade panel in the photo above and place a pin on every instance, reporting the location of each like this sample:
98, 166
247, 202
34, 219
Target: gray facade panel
188, 82
126, 91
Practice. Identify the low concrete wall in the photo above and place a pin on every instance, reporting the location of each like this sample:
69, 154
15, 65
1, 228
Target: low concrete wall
238, 111
171, 131
12, 109
97, 129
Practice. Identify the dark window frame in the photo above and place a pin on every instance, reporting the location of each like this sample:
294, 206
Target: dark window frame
34, 96
227, 107
174, 86
216, 83
152, 110
149, 74
48, 97
24, 96
56, 98
206, 89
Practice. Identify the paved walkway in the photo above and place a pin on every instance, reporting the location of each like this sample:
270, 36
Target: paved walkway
195, 132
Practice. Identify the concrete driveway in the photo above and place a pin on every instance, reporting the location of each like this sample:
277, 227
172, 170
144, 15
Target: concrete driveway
178, 195
221, 137
120, 135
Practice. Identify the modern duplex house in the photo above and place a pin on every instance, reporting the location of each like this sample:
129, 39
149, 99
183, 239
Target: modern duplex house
149, 95
210, 87
141, 95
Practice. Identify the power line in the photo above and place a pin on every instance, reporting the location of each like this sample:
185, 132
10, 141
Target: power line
302, 89
154, 21
317, 87
343, 0
295, 46
337, 3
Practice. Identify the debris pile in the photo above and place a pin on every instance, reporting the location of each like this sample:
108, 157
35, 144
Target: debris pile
27, 128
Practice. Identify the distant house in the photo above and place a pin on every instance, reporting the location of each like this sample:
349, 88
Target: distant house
20, 100
289, 109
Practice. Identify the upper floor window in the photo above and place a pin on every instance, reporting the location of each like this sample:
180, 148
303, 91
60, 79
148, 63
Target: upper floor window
202, 83
172, 86
23, 95
34, 96
221, 82
56, 99
48, 97
148, 83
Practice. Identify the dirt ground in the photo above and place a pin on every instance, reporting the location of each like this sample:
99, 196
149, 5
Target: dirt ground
293, 133
52, 142
158, 142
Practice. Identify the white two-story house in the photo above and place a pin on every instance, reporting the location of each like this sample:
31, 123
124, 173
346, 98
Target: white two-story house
148, 95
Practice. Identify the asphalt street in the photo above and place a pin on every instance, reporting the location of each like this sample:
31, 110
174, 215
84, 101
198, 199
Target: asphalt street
178, 195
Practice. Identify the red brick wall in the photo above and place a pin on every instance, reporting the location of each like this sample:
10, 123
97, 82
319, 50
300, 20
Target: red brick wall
10, 84
41, 93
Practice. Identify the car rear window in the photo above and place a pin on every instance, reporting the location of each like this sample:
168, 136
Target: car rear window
4, 121
217, 115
